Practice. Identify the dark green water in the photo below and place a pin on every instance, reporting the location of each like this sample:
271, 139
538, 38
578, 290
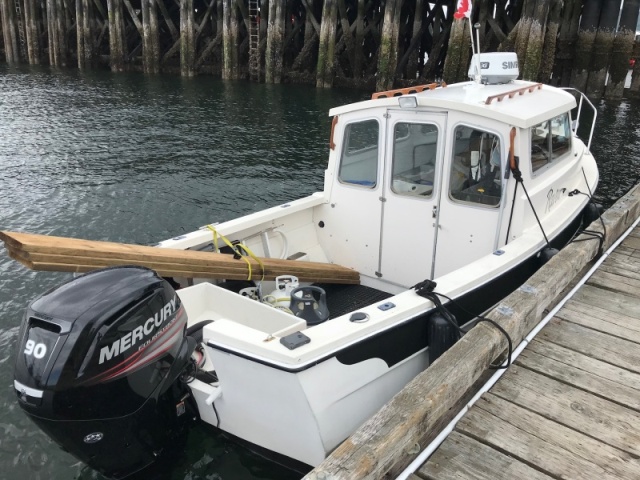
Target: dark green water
138, 159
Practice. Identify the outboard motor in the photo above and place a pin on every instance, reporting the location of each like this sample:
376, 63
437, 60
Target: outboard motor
98, 368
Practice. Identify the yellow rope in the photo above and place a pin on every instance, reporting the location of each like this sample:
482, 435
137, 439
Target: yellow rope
236, 250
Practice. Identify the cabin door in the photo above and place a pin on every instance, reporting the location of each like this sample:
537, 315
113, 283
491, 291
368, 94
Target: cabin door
471, 197
413, 162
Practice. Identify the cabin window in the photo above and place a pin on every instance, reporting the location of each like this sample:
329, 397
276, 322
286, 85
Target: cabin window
550, 140
414, 158
476, 168
359, 164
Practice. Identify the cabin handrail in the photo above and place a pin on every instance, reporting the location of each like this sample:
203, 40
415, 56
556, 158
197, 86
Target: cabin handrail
583, 98
513, 93
386, 443
398, 92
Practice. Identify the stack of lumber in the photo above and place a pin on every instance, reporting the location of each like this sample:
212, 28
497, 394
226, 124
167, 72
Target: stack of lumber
60, 254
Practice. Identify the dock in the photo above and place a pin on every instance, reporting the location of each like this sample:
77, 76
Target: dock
567, 407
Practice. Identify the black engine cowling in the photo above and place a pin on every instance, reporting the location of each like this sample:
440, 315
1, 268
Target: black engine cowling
98, 367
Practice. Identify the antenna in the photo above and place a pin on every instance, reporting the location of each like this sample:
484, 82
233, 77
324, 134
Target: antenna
478, 69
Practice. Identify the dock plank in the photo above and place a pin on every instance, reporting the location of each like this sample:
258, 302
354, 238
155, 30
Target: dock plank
504, 427
621, 265
601, 346
632, 241
597, 318
461, 457
615, 282
612, 301
569, 406
581, 371
576, 446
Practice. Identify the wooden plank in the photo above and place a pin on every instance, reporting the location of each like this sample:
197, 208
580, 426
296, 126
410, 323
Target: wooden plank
632, 242
621, 250
461, 457
572, 445
589, 374
601, 346
529, 448
572, 407
629, 268
238, 266
48, 253
596, 318
615, 282
611, 301
31, 243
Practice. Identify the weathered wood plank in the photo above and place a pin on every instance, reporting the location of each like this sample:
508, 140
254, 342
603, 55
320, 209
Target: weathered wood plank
624, 266
632, 242
615, 324
566, 440
614, 282
66, 254
461, 457
582, 372
611, 301
529, 448
601, 346
571, 407
622, 251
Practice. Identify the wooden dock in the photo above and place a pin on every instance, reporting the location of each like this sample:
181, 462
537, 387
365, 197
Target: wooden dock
569, 407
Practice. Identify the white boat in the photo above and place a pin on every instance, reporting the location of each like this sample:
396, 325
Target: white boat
421, 184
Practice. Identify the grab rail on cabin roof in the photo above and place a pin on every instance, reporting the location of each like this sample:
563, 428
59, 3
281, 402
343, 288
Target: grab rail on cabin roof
513, 93
576, 122
398, 92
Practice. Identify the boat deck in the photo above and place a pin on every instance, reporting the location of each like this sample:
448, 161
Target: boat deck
570, 405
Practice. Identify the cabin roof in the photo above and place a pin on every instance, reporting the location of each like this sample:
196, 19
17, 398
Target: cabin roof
523, 110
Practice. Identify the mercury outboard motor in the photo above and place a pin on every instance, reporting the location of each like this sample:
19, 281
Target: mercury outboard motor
99, 368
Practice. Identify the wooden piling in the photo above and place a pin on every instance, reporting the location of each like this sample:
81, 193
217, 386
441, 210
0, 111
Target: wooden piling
388, 56
566, 42
584, 45
325, 69
229, 40
84, 34
275, 42
602, 48
150, 38
9, 32
187, 39
116, 36
61, 22
457, 61
32, 31
622, 50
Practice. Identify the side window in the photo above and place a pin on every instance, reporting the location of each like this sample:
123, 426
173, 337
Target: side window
550, 140
414, 158
359, 163
476, 168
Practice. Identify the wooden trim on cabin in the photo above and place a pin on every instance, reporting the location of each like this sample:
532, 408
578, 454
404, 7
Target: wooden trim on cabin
513, 93
334, 122
406, 91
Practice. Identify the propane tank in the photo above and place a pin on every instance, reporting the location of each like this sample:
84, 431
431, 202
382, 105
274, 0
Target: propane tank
281, 296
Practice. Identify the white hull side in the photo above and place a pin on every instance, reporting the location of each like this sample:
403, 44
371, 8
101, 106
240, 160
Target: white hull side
303, 415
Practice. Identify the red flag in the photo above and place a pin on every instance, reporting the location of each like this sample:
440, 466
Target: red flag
464, 9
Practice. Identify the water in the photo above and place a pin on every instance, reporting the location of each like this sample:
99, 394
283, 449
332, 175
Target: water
138, 159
